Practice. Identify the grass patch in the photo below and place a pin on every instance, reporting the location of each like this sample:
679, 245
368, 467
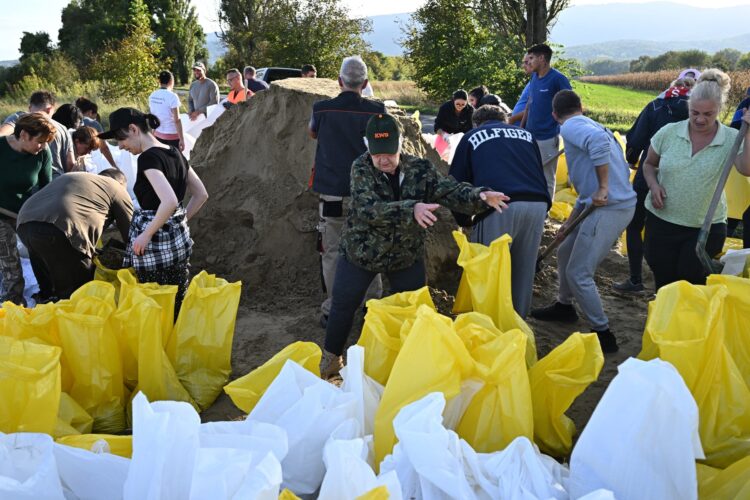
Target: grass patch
614, 107
406, 94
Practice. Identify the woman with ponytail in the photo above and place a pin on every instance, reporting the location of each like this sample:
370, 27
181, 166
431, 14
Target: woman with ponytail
159, 245
682, 169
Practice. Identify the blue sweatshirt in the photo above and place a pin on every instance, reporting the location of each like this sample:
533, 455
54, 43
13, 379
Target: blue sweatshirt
541, 91
588, 145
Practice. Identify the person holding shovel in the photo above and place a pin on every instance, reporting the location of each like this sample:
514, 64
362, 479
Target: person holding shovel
600, 176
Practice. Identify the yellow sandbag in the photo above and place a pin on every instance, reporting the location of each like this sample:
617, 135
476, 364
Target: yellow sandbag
92, 354
381, 333
118, 445
501, 410
731, 244
200, 347
737, 192
246, 391
561, 176
736, 318
686, 327
29, 386
38, 324
379, 493
560, 211
486, 280
556, 381
287, 495
432, 359
567, 195
728, 484
103, 273
71, 418
164, 295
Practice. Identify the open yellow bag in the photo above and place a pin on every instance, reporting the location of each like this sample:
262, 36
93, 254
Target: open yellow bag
560, 211
247, 390
432, 359
72, 419
163, 295
501, 410
381, 333
728, 484
737, 192
556, 381
485, 286
103, 273
29, 386
118, 445
686, 327
736, 316
200, 347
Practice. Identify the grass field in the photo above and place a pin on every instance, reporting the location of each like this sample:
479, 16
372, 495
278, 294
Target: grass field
614, 107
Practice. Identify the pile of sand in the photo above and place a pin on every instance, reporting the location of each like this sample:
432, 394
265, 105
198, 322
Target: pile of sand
259, 224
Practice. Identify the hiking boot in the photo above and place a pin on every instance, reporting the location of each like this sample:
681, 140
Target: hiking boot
556, 312
607, 340
627, 286
330, 365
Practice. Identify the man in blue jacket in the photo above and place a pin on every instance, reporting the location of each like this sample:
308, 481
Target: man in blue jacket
505, 158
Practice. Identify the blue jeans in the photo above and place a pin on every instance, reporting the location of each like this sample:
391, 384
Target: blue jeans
349, 290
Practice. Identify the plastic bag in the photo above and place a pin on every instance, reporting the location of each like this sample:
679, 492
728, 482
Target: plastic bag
381, 332
560, 211
163, 295
556, 381
737, 192
686, 326
247, 390
642, 439
86, 475
200, 347
736, 317
38, 324
486, 280
567, 195
367, 391
29, 386
71, 418
103, 273
27, 468
728, 484
122, 446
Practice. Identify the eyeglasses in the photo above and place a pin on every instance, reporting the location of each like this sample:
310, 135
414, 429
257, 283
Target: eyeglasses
232, 78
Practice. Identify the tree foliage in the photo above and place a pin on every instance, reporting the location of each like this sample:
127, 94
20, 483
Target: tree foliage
175, 23
383, 67
35, 43
529, 21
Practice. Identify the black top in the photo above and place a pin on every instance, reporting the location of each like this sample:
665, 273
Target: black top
448, 121
257, 85
172, 164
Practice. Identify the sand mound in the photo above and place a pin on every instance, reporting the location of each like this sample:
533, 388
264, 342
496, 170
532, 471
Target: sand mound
259, 223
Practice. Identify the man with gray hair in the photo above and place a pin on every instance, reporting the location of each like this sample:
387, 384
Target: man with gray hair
339, 126
253, 83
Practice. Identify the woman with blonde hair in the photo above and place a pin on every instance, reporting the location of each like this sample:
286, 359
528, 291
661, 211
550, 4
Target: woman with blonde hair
682, 169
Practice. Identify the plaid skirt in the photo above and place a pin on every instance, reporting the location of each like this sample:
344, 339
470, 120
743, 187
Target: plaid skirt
171, 244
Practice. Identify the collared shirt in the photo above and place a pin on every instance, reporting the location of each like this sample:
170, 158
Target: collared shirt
690, 180
256, 85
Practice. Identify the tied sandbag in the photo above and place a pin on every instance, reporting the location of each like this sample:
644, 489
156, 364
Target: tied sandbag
556, 381
72, 419
728, 484
381, 332
200, 347
246, 391
100, 443
485, 286
27, 468
693, 327
29, 386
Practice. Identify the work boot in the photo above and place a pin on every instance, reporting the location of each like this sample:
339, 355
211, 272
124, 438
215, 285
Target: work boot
628, 286
565, 313
330, 365
607, 340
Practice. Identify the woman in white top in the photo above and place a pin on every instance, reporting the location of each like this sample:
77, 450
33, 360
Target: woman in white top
165, 105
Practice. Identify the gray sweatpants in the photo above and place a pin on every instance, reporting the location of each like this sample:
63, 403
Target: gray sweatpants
547, 149
524, 222
581, 253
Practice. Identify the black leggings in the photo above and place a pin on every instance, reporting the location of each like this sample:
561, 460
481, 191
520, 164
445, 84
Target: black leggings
670, 250
175, 275
633, 236
732, 226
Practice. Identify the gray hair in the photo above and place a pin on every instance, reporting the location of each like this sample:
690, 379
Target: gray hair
713, 85
488, 112
248, 69
353, 72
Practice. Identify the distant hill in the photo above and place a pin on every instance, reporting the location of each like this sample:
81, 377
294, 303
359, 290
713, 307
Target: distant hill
8, 64
215, 46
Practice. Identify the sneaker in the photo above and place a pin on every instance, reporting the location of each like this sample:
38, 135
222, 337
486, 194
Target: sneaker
324, 321
556, 312
628, 286
607, 340
330, 365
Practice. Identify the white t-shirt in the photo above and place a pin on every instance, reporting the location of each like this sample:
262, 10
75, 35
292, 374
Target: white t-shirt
162, 102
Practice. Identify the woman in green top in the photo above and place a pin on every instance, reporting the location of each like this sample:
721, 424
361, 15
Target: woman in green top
25, 162
682, 170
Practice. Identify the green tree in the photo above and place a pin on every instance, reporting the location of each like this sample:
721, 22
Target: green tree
450, 49
35, 43
529, 21
744, 62
726, 59
693, 59
175, 23
605, 66
90, 25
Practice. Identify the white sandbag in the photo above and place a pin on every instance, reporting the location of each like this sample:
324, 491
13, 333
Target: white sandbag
734, 261
27, 468
308, 409
366, 391
259, 437
90, 476
165, 445
189, 145
642, 439
235, 473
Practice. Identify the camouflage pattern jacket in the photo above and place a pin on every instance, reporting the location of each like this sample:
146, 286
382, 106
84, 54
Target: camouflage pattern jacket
381, 234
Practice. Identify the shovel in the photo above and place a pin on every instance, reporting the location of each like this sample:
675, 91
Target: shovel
558, 241
710, 265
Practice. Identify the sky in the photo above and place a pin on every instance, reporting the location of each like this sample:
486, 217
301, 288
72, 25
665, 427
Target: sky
44, 15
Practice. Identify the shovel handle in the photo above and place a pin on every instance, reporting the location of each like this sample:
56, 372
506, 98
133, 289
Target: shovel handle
558, 241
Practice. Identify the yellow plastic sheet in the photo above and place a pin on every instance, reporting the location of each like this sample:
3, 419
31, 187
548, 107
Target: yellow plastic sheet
71, 418
432, 359
29, 386
556, 381
737, 191
560, 211
736, 317
200, 347
379, 493
485, 286
686, 327
246, 391
163, 295
118, 445
728, 484
381, 333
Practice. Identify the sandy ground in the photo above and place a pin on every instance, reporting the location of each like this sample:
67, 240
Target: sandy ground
265, 325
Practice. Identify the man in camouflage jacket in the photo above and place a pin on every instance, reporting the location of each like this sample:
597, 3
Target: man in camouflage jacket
393, 197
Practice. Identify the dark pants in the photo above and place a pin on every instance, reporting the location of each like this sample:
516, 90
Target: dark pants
169, 142
59, 268
349, 290
732, 227
633, 237
670, 250
175, 275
